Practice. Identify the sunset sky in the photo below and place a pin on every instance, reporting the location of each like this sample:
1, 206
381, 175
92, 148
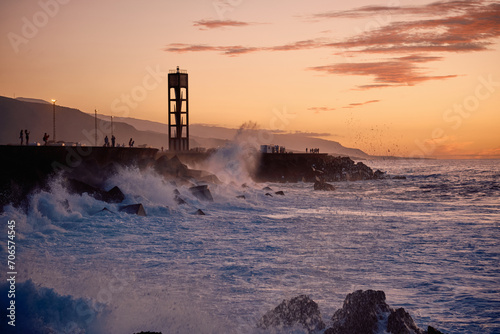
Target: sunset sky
391, 77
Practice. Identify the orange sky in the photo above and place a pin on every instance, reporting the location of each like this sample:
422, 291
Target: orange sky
392, 77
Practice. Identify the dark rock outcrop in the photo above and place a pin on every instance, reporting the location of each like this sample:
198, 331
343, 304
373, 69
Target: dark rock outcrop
400, 322
361, 313
202, 193
321, 185
306, 167
366, 312
281, 193
133, 209
114, 195
300, 310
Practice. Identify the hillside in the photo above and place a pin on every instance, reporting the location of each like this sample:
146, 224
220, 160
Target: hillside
73, 125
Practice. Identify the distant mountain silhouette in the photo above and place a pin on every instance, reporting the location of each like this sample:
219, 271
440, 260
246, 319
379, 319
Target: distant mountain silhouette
73, 125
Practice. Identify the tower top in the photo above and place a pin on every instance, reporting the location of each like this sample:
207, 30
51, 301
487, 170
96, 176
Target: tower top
177, 70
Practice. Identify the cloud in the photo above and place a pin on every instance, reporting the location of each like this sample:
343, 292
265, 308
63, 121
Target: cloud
462, 26
434, 8
472, 27
215, 24
444, 26
402, 71
352, 105
236, 50
317, 110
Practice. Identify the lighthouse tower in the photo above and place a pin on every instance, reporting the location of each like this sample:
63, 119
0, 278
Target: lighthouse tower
178, 110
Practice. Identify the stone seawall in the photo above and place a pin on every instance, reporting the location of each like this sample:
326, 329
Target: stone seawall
25, 168
310, 167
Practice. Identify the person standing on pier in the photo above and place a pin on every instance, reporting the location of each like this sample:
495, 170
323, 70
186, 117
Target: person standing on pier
113, 140
27, 134
21, 136
45, 138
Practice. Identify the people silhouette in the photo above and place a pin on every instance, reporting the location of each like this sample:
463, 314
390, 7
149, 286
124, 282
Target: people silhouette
27, 134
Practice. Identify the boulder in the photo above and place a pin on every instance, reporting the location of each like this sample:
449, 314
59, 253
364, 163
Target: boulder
199, 212
432, 330
268, 194
267, 189
114, 195
400, 322
202, 193
133, 209
241, 197
280, 193
360, 314
321, 185
300, 310
379, 174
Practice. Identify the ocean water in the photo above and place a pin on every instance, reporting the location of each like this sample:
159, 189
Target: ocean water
430, 241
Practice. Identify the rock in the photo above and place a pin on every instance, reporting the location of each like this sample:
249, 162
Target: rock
133, 209
360, 313
280, 193
379, 174
179, 200
114, 195
267, 189
268, 194
241, 197
202, 193
300, 310
432, 330
320, 185
400, 322
199, 212
170, 167
398, 177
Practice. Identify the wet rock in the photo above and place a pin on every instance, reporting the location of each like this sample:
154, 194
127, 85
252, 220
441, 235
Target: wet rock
170, 167
280, 193
199, 212
179, 200
398, 177
361, 313
267, 189
300, 310
241, 197
379, 174
268, 194
432, 330
400, 322
202, 193
321, 185
133, 209
114, 195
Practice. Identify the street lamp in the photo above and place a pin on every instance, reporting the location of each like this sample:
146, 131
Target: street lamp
54, 120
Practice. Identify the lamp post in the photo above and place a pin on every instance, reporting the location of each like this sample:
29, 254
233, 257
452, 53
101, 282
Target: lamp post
54, 120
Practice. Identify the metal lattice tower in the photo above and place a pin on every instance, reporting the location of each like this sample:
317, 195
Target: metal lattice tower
178, 110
